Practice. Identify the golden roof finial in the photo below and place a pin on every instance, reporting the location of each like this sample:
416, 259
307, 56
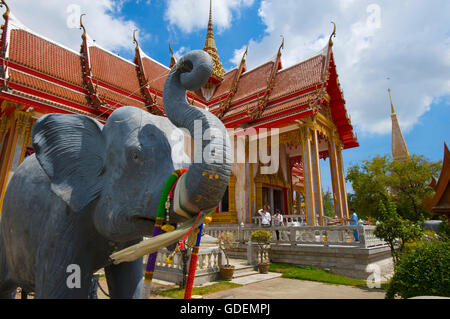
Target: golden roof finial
245, 53
81, 24
281, 46
6, 14
333, 34
210, 42
135, 41
210, 47
392, 104
173, 61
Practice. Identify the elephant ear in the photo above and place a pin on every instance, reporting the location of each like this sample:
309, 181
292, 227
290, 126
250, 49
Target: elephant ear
71, 150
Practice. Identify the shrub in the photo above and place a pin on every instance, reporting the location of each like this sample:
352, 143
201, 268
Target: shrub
262, 238
444, 228
424, 272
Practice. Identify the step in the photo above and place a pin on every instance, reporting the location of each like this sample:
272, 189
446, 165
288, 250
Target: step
244, 274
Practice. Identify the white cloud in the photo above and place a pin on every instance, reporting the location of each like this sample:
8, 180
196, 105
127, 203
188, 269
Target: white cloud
407, 41
192, 15
59, 21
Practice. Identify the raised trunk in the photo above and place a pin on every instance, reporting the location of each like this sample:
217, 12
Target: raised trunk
203, 186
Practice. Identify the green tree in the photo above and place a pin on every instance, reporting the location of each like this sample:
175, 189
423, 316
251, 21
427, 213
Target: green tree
328, 204
395, 230
404, 183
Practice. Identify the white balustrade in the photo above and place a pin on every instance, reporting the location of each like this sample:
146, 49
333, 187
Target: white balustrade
305, 235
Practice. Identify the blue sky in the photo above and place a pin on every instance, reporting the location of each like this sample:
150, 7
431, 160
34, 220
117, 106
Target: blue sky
406, 41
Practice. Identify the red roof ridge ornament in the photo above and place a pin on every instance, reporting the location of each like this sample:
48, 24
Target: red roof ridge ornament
151, 103
225, 105
173, 60
262, 101
6, 14
94, 100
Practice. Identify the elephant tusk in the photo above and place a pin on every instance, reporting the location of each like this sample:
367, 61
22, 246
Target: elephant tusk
151, 245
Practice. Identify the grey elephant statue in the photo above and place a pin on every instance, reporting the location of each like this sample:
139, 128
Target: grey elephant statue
90, 190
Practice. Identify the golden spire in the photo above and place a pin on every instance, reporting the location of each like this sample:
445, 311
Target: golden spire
210, 47
399, 148
392, 105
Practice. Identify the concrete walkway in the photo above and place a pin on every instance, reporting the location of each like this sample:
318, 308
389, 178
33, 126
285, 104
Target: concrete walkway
284, 288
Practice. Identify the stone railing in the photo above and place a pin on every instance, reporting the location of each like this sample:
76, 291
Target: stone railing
208, 265
305, 235
207, 259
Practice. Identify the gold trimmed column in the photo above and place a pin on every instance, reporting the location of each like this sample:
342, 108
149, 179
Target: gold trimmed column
342, 181
335, 176
317, 175
306, 137
8, 156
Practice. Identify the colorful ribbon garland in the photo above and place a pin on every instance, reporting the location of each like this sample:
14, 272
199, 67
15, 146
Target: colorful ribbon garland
157, 230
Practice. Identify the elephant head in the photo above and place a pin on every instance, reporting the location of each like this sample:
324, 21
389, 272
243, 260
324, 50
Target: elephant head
117, 171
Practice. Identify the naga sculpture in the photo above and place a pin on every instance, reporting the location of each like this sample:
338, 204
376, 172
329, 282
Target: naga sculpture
91, 190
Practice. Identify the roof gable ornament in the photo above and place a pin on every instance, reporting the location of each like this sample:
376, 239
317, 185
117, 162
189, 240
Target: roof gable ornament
264, 99
4, 44
225, 105
325, 71
94, 100
150, 102
173, 60
6, 14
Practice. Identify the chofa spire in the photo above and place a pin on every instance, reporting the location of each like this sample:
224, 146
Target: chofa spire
210, 47
399, 148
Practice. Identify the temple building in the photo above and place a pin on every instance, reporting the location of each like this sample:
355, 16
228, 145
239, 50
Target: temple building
304, 103
439, 204
400, 151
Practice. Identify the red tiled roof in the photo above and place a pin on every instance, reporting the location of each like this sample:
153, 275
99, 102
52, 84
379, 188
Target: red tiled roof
47, 87
41, 55
253, 81
298, 101
298, 77
113, 70
226, 84
118, 99
155, 73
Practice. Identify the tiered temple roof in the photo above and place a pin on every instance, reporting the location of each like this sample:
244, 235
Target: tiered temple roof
39, 73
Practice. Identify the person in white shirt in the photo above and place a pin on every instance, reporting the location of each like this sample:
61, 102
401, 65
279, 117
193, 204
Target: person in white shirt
278, 221
266, 218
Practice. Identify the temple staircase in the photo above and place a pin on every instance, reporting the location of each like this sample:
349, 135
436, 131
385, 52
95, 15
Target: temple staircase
246, 274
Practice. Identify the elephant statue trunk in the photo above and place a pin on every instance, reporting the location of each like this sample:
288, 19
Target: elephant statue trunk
205, 183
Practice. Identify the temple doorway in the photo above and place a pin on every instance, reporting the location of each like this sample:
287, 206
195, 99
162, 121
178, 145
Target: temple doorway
274, 197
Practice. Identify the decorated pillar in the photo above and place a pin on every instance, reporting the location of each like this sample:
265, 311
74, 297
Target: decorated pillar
342, 181
16, 138
335, 176
317, 176
306, 137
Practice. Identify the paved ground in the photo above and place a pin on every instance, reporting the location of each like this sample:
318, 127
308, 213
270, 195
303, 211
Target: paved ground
284, 288
279, 288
